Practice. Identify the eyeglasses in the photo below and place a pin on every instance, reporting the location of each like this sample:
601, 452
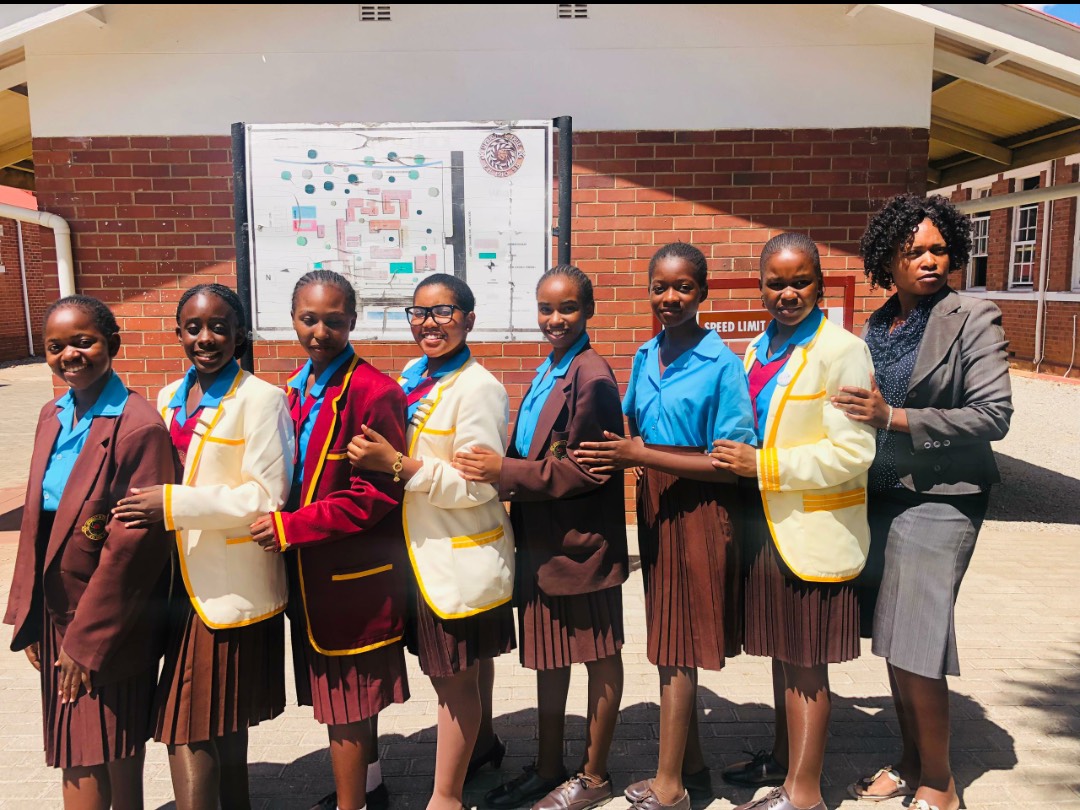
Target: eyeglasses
440, 313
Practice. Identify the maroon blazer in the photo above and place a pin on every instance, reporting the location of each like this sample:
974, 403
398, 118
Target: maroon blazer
348, 565
104, 584
569, 523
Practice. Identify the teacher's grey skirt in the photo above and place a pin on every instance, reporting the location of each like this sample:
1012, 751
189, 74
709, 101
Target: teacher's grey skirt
928, 541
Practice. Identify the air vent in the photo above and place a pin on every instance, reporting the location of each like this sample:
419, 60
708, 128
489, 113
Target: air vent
573, 11
374, 13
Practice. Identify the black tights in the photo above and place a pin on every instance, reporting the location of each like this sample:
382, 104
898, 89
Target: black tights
205, 773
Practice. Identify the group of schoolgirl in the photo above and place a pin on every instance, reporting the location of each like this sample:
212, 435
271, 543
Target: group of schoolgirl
371, 512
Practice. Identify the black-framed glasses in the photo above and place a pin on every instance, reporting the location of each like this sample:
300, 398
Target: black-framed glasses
440, 313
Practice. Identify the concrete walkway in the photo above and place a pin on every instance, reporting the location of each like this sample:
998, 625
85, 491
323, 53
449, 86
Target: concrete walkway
1016, 709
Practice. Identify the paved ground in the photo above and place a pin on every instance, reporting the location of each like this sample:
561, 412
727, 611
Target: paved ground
1016, 709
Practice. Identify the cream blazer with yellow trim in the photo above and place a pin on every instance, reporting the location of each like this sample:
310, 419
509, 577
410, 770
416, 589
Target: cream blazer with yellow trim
812, 465
239, 466
460, 542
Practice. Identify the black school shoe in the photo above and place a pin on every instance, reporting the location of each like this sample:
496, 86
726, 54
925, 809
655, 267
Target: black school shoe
377, 799
523, 790
760, 771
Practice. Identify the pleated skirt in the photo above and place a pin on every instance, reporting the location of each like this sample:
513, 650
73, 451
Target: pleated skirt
928, 542
690, 563
789, 619
111, 723
557, 631
217, 682
346, 688
448, 646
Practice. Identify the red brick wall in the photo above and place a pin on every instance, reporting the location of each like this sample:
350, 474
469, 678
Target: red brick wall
13, 342
152, 215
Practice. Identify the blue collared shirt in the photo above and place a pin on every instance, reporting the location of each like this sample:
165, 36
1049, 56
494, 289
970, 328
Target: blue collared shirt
211, 397
415, 374
803, 334
702, 396
72, 438
539, 391
298, 382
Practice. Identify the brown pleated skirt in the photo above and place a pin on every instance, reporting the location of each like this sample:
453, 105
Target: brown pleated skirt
112, 723
691, 570
448, 646
346, 688
789, 619
557, 631
217, 682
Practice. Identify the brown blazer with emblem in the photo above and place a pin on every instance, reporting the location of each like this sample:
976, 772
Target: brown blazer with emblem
569, 523
104, 584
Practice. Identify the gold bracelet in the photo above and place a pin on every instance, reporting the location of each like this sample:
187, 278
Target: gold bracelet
396, 467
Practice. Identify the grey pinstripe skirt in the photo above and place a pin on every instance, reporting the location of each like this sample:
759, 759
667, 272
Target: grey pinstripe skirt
928, 541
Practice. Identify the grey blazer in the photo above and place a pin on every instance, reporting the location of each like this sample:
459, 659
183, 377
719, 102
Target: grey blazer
959, 400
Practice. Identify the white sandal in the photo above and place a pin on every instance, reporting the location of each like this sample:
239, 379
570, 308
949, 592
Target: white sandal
922, 804
902, 788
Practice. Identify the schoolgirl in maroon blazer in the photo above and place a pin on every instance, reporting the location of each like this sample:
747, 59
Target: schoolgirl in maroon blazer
342, 536
570, 527
88, 592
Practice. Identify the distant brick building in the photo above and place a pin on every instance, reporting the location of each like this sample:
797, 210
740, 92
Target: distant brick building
1008, 260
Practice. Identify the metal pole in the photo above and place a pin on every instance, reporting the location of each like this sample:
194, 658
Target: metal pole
565, 125
243, 248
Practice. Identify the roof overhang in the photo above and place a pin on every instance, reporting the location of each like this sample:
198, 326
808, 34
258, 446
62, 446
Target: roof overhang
1006, 88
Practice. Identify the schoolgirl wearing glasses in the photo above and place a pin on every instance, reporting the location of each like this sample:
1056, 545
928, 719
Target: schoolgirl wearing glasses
458, 534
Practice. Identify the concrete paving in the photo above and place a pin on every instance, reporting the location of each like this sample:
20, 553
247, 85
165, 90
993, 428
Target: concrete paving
1016, 708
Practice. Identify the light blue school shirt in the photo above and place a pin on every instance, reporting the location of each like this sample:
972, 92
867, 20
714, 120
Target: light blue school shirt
298, 383
803, 334
702, 396
211, 397
72, 437
542, 384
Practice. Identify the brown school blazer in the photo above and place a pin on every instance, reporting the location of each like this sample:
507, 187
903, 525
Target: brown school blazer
569, 523
105, 585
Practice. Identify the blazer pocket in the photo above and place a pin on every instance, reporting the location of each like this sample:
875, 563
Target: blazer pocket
338, 455
351, 574
482, 567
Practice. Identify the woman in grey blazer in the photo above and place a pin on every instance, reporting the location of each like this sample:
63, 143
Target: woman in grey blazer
941, 394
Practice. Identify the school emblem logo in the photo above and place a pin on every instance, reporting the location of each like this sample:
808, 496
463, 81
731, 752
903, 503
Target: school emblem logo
501, 154
558, 449
94, 528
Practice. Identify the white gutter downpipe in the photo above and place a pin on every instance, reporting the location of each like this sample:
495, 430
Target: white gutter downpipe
65, 267
25, 291
1044, 271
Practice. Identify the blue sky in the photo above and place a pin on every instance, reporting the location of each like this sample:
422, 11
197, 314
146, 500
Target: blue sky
1065, 11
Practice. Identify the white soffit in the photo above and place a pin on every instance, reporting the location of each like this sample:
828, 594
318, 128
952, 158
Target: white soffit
15, 26
1022, 50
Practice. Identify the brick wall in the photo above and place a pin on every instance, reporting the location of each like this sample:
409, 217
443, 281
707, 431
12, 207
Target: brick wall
1019, 314
41, 289
151, 216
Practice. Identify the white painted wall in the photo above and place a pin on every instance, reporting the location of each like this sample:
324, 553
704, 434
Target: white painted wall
195, 69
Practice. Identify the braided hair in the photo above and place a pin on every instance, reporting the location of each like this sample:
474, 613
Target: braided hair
796, 243
330, 279
98, 312
686, 252
227, 295
574, 274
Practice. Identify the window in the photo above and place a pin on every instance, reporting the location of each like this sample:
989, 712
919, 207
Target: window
980, 244
1022, 271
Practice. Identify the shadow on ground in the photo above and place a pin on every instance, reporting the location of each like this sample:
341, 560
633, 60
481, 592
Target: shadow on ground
863, 737
1028, 492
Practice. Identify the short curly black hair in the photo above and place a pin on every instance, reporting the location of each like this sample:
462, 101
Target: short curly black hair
894, 226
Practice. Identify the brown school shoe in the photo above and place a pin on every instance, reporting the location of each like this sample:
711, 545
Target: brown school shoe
577, 793
698, 785
650, 801
759, 771
521, 791
777, 799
